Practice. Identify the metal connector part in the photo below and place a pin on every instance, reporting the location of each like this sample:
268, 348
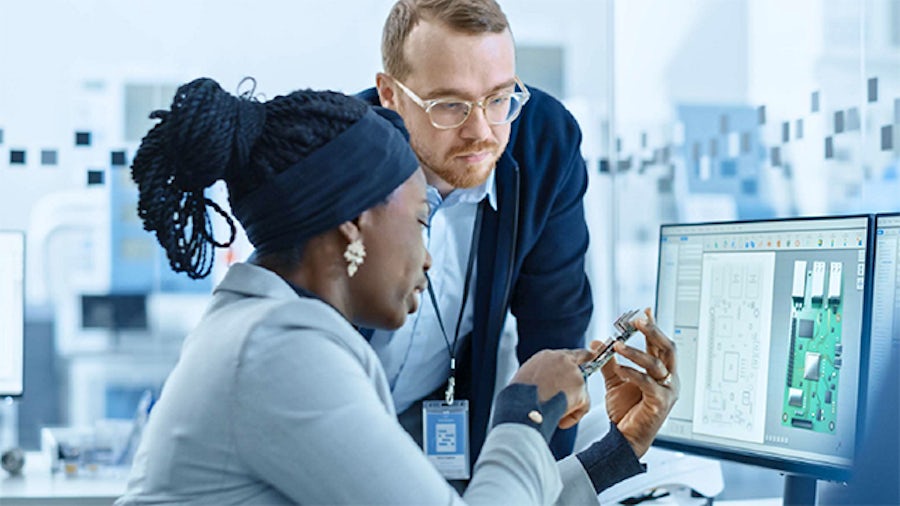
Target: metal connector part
624, 326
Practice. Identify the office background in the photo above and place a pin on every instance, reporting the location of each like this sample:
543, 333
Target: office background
692, 110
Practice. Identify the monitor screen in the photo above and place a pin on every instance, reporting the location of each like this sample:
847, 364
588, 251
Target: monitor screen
116, 311
885, 300
12, 312
769, 322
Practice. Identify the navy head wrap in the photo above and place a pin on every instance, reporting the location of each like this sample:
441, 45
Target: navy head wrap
351, 173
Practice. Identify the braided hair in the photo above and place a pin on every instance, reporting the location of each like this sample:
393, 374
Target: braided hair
208, 135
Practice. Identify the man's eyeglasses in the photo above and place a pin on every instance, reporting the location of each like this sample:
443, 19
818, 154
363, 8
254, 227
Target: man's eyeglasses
446, 113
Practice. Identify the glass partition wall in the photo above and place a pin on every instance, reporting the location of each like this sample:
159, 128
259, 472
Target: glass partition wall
749, 110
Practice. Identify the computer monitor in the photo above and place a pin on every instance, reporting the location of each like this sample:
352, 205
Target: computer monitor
114, 311
885, 299
12, 313
769, 319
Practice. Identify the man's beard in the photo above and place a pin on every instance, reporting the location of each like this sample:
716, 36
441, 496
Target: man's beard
471, 175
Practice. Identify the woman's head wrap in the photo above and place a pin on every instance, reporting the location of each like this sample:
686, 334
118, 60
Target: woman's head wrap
353, 172
296, 166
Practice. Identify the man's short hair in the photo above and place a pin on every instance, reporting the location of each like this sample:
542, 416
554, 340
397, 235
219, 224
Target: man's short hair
466, 16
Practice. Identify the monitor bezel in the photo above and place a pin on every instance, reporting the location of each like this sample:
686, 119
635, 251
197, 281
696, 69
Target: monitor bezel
21, 235
878, 216
795, 466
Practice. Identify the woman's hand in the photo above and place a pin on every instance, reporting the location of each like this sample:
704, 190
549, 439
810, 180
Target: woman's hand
638, 402
555, 371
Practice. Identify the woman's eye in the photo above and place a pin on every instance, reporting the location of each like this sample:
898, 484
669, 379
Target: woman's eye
424, 223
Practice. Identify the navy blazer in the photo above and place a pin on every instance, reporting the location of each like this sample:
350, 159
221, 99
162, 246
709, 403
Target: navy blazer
530, 256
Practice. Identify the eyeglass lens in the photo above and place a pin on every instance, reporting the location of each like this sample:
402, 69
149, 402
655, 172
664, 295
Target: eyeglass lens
498, 110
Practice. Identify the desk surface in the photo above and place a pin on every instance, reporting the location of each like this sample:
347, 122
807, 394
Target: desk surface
679, 496
37, 486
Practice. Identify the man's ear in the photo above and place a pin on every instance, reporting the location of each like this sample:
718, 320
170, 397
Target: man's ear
386, 94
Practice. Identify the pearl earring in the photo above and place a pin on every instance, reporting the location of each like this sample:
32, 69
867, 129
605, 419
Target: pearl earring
355, 255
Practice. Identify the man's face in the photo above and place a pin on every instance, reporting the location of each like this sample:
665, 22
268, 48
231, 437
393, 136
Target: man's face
445, 64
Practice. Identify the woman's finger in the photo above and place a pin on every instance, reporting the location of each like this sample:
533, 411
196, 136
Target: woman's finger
650, 386
657, 341
581, 356
654, 366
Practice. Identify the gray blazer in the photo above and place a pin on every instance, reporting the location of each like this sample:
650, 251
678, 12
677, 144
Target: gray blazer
277, 399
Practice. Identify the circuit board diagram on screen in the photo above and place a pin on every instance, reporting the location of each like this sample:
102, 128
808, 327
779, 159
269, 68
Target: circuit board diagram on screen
814, 356
735, 310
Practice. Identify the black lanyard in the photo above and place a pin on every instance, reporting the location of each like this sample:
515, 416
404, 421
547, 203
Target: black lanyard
473, 252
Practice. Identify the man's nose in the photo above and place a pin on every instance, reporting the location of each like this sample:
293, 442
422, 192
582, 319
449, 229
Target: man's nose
476, 125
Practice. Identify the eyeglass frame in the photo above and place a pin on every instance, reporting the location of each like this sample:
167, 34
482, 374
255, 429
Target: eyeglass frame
426, 105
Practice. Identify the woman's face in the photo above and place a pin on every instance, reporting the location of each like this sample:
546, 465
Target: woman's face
389, 284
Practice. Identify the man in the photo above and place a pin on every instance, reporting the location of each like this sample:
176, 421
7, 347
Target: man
507, 229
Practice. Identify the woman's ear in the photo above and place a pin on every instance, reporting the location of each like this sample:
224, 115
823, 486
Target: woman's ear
350, 230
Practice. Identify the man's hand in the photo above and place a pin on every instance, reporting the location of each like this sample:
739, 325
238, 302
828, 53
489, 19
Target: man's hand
555, 371
638, 402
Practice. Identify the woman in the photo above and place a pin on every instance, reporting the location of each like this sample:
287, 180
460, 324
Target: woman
276, 397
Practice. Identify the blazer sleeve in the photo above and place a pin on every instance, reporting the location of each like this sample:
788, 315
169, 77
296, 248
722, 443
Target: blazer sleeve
551, 299
552, 296
308, 421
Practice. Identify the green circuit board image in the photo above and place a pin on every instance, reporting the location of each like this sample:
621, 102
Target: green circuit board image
814, 357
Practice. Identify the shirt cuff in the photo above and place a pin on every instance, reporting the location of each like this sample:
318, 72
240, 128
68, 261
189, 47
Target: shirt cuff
518, 403
610, 460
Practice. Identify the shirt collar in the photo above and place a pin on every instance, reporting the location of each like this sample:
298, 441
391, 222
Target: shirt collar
487, 189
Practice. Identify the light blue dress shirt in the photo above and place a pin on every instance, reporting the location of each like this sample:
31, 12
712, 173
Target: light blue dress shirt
415, 356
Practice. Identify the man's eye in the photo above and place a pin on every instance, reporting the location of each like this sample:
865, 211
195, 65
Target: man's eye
498, 101
451, 106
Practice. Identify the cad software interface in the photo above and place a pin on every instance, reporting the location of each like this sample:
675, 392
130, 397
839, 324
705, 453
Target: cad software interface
767, 317
12, 246
885, 300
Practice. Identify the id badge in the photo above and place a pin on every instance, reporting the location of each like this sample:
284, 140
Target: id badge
445, 430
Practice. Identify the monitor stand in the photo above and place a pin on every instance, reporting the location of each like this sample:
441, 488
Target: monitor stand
8, 422
799, 490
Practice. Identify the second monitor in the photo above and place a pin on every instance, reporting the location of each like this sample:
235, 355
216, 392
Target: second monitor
769, 321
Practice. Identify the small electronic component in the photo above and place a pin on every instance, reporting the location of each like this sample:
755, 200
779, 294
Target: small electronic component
818, 281
798, 292
834, 282
811, 371
805, 328
624, 326
795, 397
